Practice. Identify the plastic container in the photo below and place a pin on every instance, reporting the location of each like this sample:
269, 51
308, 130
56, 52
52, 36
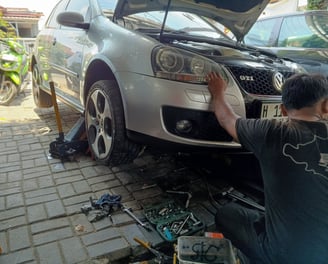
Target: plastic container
199, 250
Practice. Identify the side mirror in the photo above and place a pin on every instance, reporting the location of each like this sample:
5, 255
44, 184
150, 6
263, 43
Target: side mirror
72, 19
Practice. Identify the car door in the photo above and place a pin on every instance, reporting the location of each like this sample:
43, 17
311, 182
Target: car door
67, 54
44, 43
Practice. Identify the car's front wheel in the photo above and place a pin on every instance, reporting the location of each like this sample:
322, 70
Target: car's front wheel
105, 125
41, 98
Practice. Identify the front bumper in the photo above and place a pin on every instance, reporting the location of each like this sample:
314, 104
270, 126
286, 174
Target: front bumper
153, 106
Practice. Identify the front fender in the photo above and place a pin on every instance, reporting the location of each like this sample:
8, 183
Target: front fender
14, 76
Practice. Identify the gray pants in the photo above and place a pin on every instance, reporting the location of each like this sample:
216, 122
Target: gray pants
245, 228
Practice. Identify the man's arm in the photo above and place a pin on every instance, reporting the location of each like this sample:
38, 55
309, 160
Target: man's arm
223, 111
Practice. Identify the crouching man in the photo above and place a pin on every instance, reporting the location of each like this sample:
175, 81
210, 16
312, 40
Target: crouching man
293, 156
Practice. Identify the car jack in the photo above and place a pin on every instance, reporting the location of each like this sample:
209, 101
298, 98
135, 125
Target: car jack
66, 146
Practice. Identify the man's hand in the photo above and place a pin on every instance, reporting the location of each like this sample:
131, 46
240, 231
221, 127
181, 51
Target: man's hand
216, 85
223, 111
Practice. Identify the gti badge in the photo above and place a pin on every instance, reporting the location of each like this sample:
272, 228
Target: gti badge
278, 80
246, 78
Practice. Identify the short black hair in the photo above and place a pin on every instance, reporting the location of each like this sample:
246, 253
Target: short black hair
304, 90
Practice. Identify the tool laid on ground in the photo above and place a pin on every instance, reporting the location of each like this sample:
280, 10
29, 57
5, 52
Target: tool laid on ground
65, 146
129, 212
189, 196
172, 220
231, 192
102, 207
161, 258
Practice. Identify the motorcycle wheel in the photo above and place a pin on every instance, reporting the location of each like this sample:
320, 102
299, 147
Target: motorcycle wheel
8, 91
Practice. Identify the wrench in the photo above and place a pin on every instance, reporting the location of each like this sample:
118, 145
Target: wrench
144, 225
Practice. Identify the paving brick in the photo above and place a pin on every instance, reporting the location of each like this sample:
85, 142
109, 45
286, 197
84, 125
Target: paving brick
10, 188
101, 178
39, 199
3, 178
10, 169
101, 169
36, 172
71, 165
114, 249
100, 236
19, 238
69, 179
45, 181
51, 236
30, 185
65, 190
36, 213
13, 157
77, 199
49, 225
73, 250
49, 253
14, 200
3, 243
26, 164
2, 203
15, 176
55, 209
22, 256
12, 223
40, 192
75, 208
82, 220
9, 165
11, 213
81, 187
125, 177
104, 223
89, 172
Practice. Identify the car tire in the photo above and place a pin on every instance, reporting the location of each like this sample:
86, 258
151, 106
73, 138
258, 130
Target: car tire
41, 98
8, 91
105, 125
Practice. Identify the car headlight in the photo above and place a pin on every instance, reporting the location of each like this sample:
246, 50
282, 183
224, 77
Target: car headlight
179, 65
8, 57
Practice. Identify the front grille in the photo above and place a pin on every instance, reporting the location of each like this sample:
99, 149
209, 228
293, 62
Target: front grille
256, 81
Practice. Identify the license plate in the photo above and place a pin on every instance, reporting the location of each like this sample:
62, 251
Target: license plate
271, 111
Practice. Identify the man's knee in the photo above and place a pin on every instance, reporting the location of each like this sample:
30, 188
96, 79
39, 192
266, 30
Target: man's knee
226, 216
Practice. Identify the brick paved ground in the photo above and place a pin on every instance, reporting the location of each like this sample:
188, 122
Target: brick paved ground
41, 198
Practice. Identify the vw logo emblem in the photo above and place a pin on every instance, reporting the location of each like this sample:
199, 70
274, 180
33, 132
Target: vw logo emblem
278, 80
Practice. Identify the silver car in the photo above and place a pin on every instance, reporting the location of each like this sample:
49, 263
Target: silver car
136, 70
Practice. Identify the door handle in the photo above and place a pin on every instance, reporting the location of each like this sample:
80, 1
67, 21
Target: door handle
54, 41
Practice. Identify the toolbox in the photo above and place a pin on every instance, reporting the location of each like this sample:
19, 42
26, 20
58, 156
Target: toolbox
198, 250
173, 220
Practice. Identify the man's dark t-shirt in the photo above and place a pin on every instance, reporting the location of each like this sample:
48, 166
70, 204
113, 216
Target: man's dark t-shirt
293, 156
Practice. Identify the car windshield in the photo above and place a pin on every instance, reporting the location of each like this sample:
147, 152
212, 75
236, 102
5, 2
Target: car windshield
176, 22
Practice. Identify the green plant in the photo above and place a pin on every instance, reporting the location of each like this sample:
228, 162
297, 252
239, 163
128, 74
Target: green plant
317, 5
11, 33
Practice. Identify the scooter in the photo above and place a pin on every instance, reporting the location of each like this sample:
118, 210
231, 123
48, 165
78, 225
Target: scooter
14, 69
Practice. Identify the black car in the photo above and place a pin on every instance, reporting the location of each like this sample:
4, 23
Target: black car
300, 36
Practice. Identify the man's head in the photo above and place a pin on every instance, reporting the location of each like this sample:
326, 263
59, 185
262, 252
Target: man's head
304, 90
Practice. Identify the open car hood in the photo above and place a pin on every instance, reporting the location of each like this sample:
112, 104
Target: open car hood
237, 15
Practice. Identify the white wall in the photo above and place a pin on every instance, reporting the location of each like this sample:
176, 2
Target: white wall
283, 6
